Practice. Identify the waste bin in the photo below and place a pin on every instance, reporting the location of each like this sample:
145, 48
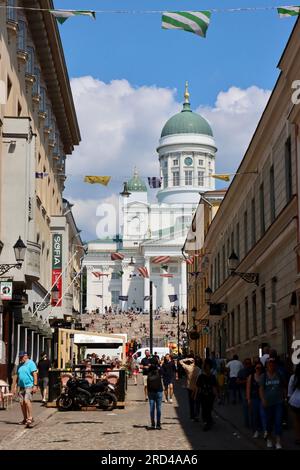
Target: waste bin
54, 385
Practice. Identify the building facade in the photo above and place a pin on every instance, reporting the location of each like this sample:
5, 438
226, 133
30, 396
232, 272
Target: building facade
38, 130
151, 235
257, 226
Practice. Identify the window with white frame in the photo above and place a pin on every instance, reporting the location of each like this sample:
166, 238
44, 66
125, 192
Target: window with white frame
165, 179
115, 297
188, 176
200, 162
200, 178
175, 162
175, 178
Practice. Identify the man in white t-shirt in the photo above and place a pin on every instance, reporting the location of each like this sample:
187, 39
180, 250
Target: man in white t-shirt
234, 366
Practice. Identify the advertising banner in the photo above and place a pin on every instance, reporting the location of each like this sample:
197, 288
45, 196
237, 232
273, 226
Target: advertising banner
57, 265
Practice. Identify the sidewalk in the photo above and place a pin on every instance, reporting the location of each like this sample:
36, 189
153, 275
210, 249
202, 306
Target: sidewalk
10, 417
234, 415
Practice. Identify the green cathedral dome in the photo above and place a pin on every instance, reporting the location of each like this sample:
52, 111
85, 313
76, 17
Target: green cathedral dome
186, 122
135, 184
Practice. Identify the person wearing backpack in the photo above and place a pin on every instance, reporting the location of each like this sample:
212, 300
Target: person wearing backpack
272, 391
207, 389
294, 400
155, 394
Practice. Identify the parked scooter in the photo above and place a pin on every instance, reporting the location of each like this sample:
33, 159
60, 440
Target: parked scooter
79, 393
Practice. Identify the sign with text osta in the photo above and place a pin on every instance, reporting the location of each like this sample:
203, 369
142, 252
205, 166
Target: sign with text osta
57, 265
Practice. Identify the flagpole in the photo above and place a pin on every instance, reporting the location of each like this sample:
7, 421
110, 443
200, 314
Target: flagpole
151, 318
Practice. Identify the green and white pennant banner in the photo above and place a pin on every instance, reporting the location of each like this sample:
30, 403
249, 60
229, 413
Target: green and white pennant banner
63, 15
193, 21
288, 11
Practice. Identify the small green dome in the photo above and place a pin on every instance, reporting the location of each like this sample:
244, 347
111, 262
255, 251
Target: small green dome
186, 122
135, 184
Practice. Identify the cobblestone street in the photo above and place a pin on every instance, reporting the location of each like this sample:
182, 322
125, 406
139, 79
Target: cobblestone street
122, 429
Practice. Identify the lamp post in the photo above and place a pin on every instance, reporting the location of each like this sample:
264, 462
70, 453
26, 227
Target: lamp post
55, 295
180, 329
208, 294
19, 249
233, 262
125, 192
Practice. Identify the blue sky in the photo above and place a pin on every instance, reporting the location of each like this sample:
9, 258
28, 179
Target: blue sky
128, 76
241, 48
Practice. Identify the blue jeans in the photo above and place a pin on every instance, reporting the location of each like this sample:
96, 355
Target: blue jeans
274, 416
155, 400
258, 415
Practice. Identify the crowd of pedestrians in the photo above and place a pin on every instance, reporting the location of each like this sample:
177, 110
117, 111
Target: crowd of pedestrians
263, 387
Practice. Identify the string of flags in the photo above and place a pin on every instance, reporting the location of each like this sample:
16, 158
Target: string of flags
195, 22
156, 182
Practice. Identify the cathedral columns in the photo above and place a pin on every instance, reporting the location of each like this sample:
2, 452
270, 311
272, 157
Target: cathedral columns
183, 300
165, 302
147, 286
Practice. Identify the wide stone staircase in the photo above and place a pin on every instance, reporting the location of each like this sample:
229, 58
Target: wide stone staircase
136, 325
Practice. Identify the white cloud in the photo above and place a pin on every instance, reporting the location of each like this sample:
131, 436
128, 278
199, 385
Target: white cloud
98, 217
234, 118
120, 128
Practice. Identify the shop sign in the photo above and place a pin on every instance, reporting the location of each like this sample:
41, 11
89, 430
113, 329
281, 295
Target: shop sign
6, 290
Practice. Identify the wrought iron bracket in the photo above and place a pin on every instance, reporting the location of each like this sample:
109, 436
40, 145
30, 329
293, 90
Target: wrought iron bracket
4, 268
251, 278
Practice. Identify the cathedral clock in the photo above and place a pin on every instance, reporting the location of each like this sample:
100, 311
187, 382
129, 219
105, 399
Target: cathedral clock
188, 161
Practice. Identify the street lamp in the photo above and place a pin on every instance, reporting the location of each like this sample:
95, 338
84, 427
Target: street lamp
19, 249
194, 311
132, 263
194, 333
208, 293
125, 192
55, 294
233, 262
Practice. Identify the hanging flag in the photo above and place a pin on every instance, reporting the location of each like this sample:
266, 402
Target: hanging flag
225, 177
98, 274
288, 11
193, 21
120, 273
41, 175
143, 271
173, 298
154, 182
116, 256
165, 267
97, 179
166, 275
161, 259
63, 15
124, 298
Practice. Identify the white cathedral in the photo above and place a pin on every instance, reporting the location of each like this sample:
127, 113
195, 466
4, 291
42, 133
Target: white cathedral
186, 154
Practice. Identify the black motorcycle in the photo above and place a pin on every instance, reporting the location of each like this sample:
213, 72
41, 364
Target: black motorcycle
79, 393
